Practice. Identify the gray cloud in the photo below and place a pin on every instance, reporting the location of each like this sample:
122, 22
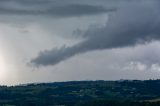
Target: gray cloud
136, 23
51, 8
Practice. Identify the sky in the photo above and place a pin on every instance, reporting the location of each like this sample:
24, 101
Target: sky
66, 40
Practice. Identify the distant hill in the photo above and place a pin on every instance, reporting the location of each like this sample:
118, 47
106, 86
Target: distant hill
83, 93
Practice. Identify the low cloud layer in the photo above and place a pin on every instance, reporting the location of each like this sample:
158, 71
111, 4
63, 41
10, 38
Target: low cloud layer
136, 23
49, 8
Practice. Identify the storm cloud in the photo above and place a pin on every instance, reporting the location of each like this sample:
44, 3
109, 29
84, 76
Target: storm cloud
136, 23
49, 8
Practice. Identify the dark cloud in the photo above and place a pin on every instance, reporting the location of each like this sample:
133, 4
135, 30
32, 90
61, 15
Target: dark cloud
49, 7
133, 24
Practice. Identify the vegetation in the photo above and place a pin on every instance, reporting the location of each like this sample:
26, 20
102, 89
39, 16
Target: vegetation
83, 93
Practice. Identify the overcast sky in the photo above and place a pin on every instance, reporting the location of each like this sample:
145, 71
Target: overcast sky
63, 40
